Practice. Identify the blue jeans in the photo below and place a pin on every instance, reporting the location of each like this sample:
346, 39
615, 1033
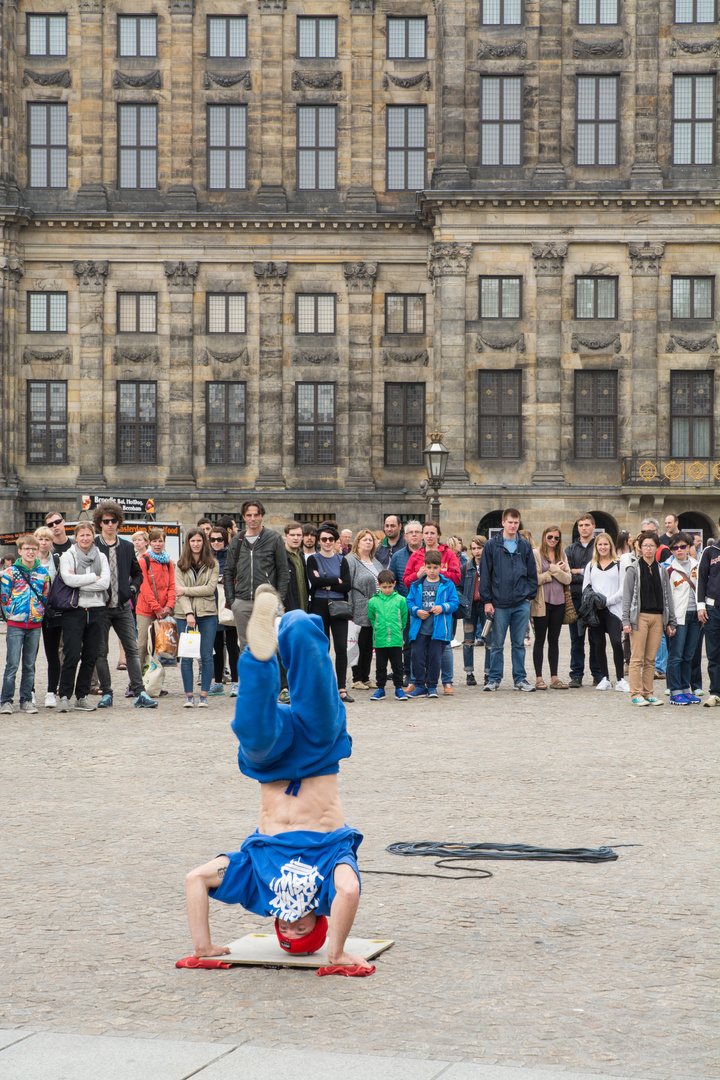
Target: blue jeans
516, 618
426, 657
712, 647
681, 650
661, 660
20, 643
446, 664
476, 616
207, 626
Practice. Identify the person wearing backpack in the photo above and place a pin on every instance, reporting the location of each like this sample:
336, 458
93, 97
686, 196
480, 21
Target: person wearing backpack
24, 589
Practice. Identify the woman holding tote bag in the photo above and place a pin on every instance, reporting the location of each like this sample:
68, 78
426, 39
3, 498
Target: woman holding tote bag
196, 578
156, 599
226, 636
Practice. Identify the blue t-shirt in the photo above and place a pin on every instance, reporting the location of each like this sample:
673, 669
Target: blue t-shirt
429, 600
510, 545
288, 875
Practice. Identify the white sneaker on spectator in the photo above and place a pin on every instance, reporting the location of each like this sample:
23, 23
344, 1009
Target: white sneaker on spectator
7, 708
604, 684
27, 707
50, 700
623, 685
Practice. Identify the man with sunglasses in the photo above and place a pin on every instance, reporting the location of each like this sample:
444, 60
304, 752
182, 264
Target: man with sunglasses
125, 581
56, 523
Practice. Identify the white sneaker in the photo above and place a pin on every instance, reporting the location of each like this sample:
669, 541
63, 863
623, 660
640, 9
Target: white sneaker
604, 684
50, 700
7, 708
712, 701
27, 707
623, 685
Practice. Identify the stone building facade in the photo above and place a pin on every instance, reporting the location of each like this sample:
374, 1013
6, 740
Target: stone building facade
268, 245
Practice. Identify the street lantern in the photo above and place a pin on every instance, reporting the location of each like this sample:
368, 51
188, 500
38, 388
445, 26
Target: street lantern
436, 458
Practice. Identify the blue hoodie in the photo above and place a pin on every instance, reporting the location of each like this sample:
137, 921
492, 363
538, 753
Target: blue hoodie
447, 598
307, 737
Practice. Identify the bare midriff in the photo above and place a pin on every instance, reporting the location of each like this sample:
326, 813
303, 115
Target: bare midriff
315, 808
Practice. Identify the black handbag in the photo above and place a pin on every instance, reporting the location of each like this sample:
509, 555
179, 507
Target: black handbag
339, 609
61, 596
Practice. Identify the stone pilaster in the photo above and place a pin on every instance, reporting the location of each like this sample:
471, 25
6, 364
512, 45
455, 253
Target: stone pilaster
549, 259
91, 194
91, 285
361, 196
271, 287
271, 194
646, 172
360, 280
645, 263
447, 268
549, 172
181, 285
181, 194
11, 271
451, 170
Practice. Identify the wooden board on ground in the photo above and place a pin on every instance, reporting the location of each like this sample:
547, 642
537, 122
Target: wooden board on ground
264, 949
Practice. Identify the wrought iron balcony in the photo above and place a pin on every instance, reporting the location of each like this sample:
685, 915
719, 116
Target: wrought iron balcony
645, 469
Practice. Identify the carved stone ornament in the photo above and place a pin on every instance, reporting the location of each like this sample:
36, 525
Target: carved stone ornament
502, 343
47, 78
549, 258
126, 355
696, 48
683, 344
271, 7
407, 82
91, 7
611, 341
488, 50
243, 78
360, 276
151, 81
361, 7
325, 356
181, 275
645, 259
598, 48
448, 258
390, 358
90, 275
330, 80
270, 276
241, 357
13, 266
55, 356
182, 7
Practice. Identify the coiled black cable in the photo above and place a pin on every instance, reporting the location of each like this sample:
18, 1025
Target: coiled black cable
446, 853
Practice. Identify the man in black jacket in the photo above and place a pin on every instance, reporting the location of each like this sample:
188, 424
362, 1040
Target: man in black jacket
256, 557
577, 556
708, 604
125, 582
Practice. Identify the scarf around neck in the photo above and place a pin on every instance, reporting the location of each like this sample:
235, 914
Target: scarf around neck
162, 558
86, 563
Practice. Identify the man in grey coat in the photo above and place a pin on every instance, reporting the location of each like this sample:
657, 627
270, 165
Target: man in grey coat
255, 557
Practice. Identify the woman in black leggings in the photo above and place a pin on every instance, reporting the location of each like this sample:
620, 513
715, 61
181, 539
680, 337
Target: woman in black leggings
329, 579
548, 607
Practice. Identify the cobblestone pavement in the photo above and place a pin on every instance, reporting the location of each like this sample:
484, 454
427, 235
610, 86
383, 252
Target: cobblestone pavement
594, 968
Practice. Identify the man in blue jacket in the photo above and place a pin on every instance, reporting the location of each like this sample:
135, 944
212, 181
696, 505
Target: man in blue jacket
508, 582
300, 864
431, 601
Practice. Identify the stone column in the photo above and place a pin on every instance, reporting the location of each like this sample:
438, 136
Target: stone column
549, 259
271, 287
645, 262
91, 286
181, 285
361, 196
646, 172
448, 267
92, 194
549, 172
360, 278
11, 271
451, 170
181, 194
271, 194
9, 92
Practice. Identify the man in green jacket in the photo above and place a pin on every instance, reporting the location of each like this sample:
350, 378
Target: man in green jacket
388, 615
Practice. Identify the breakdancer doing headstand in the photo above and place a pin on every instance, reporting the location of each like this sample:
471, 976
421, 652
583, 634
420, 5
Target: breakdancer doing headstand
300, 864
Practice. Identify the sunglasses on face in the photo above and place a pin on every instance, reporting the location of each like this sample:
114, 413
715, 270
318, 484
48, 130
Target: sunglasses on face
327, 539
109, 521
552, 537
679, 547
52, 524
216, 540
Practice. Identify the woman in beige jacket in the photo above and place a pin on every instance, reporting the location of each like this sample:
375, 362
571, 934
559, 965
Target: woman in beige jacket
548, 607
196, 578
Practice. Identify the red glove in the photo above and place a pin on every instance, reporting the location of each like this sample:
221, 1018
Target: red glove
354, 971
198, 962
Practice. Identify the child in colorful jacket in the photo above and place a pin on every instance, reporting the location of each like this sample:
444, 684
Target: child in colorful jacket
24, 589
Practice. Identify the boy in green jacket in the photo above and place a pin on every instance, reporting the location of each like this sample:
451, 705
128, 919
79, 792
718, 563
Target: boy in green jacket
388, 614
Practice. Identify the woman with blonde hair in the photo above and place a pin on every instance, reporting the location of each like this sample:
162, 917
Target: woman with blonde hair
548, 607
605, 574
196, 578
364, 569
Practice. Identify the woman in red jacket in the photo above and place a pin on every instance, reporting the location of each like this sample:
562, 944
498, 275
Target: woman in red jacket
156, 598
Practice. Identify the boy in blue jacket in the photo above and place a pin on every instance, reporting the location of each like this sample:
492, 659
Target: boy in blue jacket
431, 601
24, 589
